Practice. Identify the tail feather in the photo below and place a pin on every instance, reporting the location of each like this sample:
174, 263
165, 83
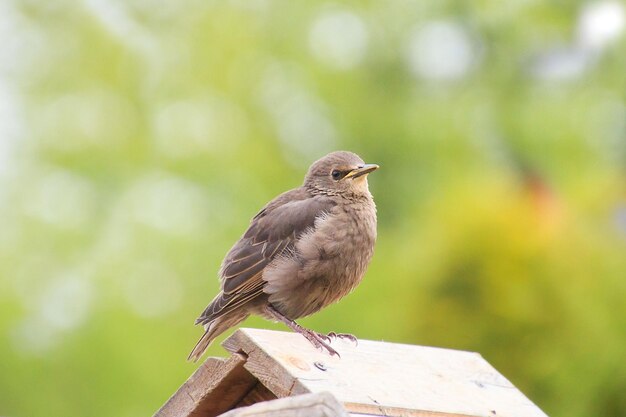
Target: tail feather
213, 329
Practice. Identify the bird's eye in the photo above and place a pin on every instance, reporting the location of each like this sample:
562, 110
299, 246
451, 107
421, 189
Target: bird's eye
336, 174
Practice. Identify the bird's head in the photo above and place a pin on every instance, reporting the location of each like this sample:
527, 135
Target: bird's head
339, 173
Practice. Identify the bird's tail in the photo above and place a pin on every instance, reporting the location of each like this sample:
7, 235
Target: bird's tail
213, 329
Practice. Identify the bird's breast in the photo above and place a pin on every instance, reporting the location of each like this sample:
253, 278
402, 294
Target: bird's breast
327, 262
345, 237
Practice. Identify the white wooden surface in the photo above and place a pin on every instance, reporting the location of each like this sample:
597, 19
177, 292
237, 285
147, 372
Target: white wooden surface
379, 378
322, 404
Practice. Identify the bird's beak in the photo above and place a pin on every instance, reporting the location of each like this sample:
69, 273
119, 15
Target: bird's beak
361, 170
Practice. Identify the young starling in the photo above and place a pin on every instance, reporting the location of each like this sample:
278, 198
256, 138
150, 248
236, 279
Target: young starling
305, 249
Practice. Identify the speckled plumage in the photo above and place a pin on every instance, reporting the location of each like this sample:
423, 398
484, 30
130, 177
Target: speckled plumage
306, 249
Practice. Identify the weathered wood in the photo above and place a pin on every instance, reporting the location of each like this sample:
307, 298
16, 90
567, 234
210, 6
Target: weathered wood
373, 378
265, 367
321, 404
216, 387
382, 378
256, 395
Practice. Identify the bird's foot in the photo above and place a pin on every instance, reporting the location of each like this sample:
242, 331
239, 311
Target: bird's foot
320, 341
350, 337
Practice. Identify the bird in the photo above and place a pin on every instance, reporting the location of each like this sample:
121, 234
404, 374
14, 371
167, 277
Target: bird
304, 250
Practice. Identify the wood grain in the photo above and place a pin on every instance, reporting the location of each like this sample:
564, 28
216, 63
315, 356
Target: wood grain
216, 387
322, 404
371, 378
382, 378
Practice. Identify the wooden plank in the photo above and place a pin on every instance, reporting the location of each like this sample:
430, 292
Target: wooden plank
322, 404
256, 395
382, 378
264, 366
216, 386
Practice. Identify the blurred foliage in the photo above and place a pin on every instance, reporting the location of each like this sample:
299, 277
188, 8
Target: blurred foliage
138, 138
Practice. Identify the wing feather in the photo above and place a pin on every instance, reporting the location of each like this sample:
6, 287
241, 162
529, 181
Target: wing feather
272, 232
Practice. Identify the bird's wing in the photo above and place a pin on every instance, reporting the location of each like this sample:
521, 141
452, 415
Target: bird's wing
272, 231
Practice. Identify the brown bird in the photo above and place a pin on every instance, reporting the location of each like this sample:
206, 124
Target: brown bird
305, 249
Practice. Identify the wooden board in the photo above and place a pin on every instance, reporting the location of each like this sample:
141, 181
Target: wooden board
321, 404
379, 378
217, 386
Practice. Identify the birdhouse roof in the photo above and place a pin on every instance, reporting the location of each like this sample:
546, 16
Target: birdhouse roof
371, 377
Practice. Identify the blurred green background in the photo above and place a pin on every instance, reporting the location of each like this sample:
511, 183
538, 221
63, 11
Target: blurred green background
138, 138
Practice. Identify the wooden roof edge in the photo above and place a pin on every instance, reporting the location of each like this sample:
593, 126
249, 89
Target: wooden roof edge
318, 404
373, 378
214, 388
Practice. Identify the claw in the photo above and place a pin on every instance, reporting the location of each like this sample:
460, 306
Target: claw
324, 337
318, 340
352, 338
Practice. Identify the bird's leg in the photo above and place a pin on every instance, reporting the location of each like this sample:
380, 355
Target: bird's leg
350, 337
316, 339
